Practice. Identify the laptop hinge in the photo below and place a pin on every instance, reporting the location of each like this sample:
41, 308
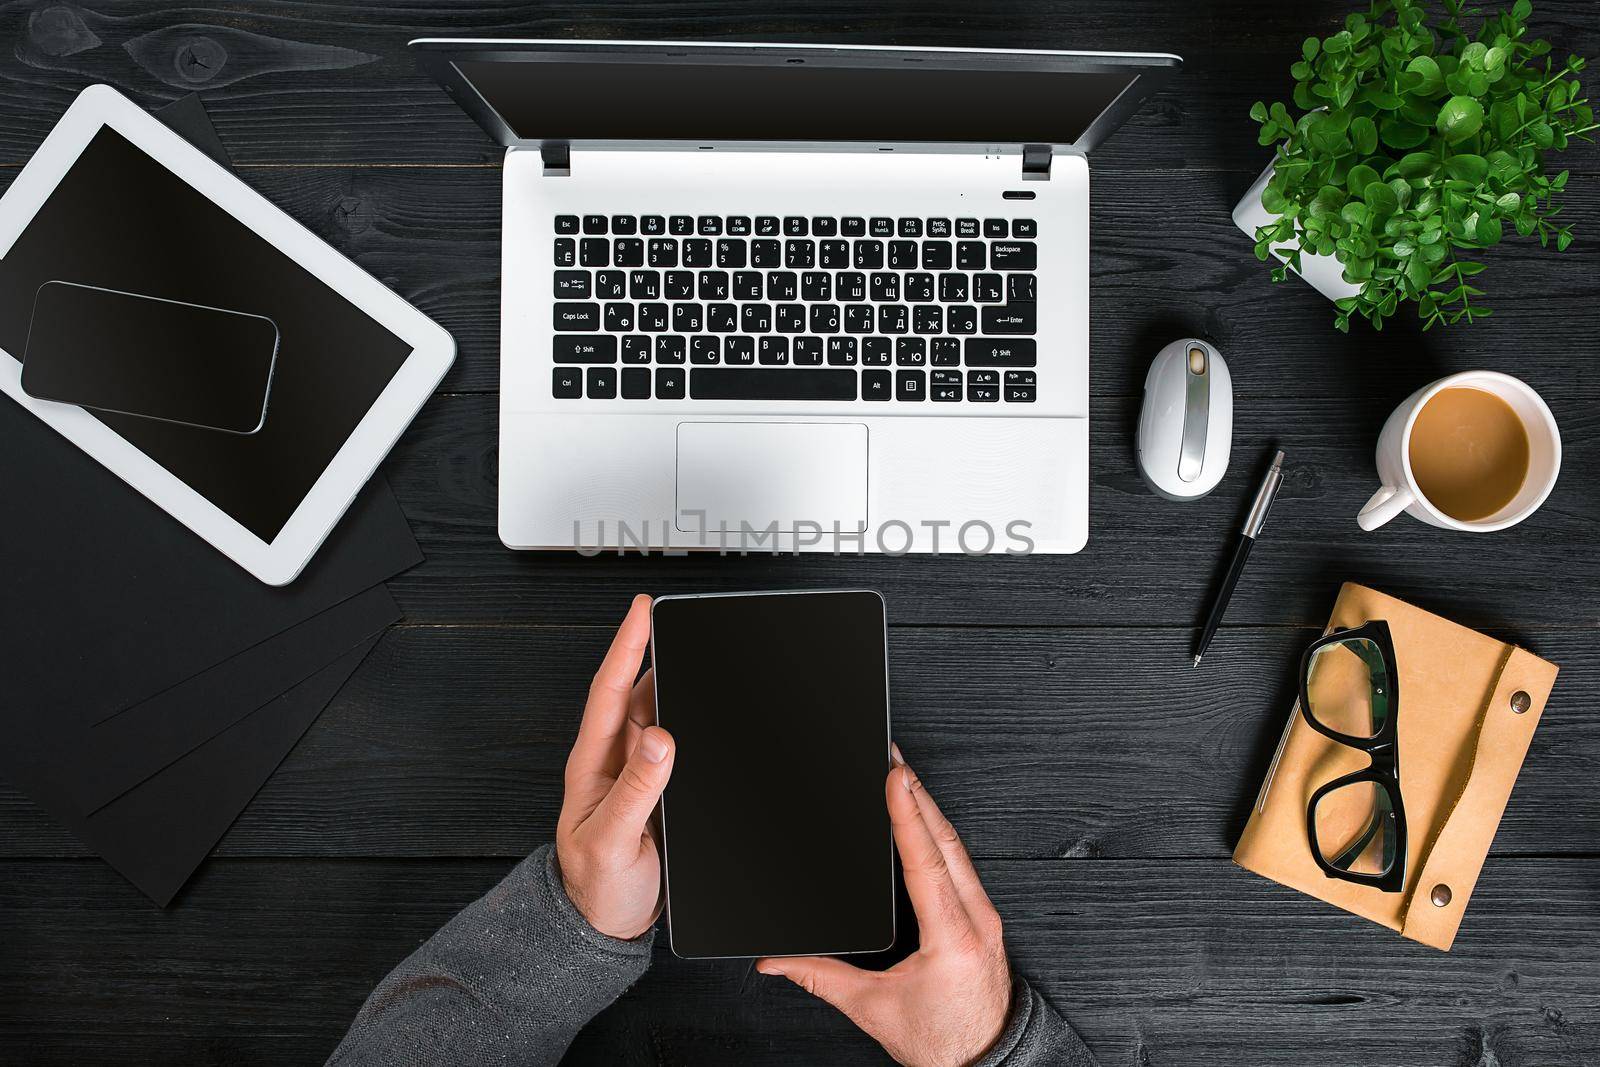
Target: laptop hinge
557, 156
1036, 162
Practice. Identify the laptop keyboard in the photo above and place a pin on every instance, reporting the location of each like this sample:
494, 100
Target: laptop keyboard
823, 308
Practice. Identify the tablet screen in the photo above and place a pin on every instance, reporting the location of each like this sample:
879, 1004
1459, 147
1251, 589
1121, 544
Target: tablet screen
775, 825
120, 220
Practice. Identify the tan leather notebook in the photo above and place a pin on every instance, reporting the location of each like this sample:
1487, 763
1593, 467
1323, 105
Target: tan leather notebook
1468, 707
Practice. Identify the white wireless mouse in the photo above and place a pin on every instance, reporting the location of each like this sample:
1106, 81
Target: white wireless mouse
1186, 425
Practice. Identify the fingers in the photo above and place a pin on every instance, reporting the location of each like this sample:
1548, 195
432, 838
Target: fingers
845, 987
940, 913
641, 709
624, 814
965, 876
606, 712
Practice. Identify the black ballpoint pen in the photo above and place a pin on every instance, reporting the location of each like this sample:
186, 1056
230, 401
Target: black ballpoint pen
1241, 552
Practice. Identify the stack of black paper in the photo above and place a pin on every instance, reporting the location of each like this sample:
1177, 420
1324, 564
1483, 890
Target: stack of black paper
152, 685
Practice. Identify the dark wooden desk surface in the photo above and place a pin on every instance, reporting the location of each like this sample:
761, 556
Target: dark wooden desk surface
1099, 781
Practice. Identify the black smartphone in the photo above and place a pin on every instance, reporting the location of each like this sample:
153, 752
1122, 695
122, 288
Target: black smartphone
775, 828
122, 352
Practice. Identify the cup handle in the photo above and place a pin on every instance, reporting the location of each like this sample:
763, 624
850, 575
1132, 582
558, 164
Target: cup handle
1385, 504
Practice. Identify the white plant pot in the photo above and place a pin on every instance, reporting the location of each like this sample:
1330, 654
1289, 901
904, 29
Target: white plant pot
1325, 273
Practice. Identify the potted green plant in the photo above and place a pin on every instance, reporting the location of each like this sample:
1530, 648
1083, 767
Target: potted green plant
1418, 146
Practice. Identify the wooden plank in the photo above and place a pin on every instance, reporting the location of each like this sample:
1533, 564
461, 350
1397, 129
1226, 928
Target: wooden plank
1038, 743
1179, 962
1148, 561
318, 80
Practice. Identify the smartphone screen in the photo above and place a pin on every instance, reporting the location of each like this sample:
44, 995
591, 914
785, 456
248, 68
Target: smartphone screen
142, 355
775, 828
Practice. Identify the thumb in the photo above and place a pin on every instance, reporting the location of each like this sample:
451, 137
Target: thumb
838, 983
626, 809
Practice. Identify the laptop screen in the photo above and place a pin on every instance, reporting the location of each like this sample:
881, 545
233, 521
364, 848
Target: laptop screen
781, 96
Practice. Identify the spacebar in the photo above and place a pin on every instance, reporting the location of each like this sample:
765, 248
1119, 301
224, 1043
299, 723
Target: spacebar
741, 383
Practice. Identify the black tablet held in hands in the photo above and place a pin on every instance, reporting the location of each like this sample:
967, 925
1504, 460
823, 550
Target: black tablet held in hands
775, 830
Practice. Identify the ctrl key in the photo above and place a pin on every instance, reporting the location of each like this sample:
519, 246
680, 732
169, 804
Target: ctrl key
568, 383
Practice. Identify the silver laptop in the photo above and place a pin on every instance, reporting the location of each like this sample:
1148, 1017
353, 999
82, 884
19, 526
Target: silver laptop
793, 298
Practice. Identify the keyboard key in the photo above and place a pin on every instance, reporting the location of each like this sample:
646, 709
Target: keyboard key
738, 225
911, 351
566, 224
983, 377
794, 226
1009, 319
799, 255
572, 284
594, 252
652, 225
910, 385
902, 255
946, 352
858, 318
824, 318
644, 285
765, 253
636, 383
927, 318
1014, 255
919, 287
816, 285
567, 383
713, 285
783, 285
722, 318
772, 351
602, 383
1022, 377
986, 288
566, 250
910, 227
952, 288
882, 227
610, 284
833, 255
669, 383
938, 227
850, 285
763, 383
945, 385
730, 253
885, 286
755, 318
875, 352
791, 318
824, 226
841, 351
961, 318
709, 225
687, 318
629, 251
876, 385
995, 228
653, 316
869, 255
767, 225
994, 352
670, 350
619, 317
853, 226
1020, 288
584, 316
569, 349
626, 225
739, 351
983, 394
703, 350
680, 225
1024, 228
747, 285
594, 224
967, 228
893, 318
1019, 394
662, 252
937, 255
808, 351
636, 348
697, 252
970, 255
680, 285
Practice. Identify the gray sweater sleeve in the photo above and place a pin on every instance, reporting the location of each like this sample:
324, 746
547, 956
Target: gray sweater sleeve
1036, 1036
510, 980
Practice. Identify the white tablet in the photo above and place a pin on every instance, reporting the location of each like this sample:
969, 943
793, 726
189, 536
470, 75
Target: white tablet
115, 199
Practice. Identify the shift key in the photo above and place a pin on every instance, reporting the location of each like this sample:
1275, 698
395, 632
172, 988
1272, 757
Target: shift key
602, 349
1000, 352
585, 316
1008, 318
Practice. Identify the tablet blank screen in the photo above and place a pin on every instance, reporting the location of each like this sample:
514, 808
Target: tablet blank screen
120, 220
777, 834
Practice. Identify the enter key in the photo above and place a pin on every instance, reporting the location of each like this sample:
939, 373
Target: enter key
1008, 319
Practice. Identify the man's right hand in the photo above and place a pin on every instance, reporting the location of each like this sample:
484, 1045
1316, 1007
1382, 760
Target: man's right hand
946, 1005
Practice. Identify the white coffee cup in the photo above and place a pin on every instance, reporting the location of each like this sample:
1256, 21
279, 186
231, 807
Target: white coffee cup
1400, 491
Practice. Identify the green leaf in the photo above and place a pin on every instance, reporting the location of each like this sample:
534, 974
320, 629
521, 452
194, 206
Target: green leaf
1416, 165
1459, 118
1418, 274
1428, 70
1364, 133
1360, 177
1489, 230
1381, 199
1509, 202
1310, 48
1467, 167
1542, 134
1521, 10
1399, 134
1258, 111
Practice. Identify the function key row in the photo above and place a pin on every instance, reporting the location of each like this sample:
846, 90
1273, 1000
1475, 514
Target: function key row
793, 226
723, 383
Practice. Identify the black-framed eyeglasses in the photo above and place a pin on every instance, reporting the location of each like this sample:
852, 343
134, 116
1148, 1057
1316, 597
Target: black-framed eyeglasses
1350, 693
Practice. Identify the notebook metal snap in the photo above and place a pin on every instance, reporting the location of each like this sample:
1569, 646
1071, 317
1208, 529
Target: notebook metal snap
1440, 895
1521, 701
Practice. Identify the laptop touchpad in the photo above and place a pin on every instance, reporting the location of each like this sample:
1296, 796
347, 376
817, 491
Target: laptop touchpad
795, 474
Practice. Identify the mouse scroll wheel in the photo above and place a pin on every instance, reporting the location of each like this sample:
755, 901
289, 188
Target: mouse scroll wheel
1197, 360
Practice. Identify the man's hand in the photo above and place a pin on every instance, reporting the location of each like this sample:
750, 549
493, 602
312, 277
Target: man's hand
946, 1005
605, 844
